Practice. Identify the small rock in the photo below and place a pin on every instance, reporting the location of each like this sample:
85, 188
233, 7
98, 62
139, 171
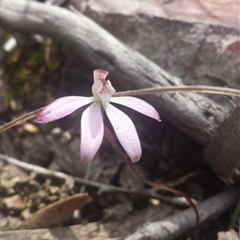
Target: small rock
154, 202
26, 213
13, 203
53, 190
30, 128
10, 176
56, 132
37, 198
229, 235
66, 137
9, 223
41, 205
54, 166
27, 186
15, 106
52, 198
11, 171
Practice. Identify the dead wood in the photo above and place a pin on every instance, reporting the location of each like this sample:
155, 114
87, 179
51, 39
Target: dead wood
167, 228
98, 231
215, 12
175, 225
179, 36
196, 115
223, 150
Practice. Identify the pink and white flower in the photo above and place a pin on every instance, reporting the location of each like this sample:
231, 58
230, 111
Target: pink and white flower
92, 128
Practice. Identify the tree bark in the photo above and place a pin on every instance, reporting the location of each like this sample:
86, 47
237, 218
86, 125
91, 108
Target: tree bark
222, 152
173, 226
194, 114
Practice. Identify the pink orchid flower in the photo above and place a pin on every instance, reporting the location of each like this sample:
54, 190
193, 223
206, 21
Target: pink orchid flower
92, 128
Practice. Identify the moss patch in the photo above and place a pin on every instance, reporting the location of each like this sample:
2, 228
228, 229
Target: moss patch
32, 71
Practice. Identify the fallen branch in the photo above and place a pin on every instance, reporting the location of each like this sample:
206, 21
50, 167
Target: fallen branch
223, 150
175, 225
20, 120
191, 113
12, 42
101, 186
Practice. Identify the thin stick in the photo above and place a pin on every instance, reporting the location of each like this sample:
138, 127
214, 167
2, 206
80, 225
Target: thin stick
108, 135
101, 186
173, 226
182, 89
146, 91
20, 119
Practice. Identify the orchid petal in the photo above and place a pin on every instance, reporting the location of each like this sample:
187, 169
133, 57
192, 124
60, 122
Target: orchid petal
91, 132
138, 105
99, 74
125, 131
62, 107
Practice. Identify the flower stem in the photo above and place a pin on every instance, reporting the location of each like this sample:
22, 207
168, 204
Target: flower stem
108, 135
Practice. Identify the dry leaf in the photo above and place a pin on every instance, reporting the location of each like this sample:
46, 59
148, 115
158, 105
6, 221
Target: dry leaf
54, 214
95, 230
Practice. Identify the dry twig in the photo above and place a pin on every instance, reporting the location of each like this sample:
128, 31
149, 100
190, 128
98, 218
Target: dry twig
101, 186
173, 226
161, 90
177, 224
20, 119
182, 89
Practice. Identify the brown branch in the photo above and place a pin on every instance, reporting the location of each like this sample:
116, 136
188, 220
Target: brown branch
167, 228
101, 186
130, 70
223, 150
20, 119
173, 226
